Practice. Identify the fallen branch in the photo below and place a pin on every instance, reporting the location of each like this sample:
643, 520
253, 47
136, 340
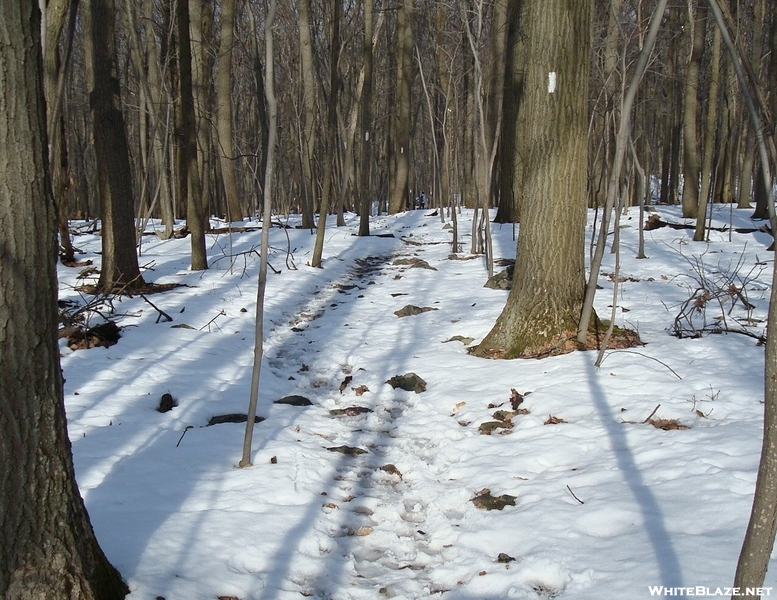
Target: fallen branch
650, 416
162, 314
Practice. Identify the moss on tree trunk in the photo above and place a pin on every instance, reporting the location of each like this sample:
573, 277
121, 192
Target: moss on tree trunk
544, 304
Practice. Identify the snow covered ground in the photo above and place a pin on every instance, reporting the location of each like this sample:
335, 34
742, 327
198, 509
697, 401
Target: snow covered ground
605, 505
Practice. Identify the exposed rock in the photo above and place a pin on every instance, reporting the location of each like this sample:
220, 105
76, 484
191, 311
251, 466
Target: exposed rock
502, 280
415, 263
351, 411
348, 450
410, 310
232, 418
460, 338
409, 382
294, 400
490, 427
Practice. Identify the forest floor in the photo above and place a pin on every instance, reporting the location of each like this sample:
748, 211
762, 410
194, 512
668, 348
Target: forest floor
374, 492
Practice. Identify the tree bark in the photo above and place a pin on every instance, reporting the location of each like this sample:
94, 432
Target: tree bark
48, 548
707, 175
272, 133
114, 175
364, 193
201, 25
309, 107
190, 176
691, 152
331, 134
548, 286
510, 171
59, 22
399, 178
224, 111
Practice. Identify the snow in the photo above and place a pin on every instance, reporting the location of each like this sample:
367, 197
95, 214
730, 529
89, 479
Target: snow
605, 504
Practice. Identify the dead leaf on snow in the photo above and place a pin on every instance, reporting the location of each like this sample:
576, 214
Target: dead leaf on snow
551, 420
486, 501
667, 424
345, 383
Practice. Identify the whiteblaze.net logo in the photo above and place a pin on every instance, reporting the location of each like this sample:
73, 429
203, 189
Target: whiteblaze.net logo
701, 591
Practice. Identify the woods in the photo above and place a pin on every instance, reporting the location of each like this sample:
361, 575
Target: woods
178, 118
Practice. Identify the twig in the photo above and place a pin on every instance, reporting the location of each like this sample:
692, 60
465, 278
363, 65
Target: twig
650, 416
221, 313
162, 314
645, 356
574, 496
188, 427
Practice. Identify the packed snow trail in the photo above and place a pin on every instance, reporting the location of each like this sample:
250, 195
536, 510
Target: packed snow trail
371, 507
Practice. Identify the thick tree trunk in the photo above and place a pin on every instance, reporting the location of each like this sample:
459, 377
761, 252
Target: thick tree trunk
48, 548
398, 193
114, 176
548, 287
331, 135
366, 129
508, 154
201, 25
691, 152
707, 175
224, 111
309, 107
444, 103
153, 173
190, 176
60, 20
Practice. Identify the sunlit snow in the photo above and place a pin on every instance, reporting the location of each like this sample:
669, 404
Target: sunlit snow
605, 504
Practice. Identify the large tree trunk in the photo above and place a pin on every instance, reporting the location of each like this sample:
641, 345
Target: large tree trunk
48, 548
60, 20
224, 111
114, 176
548, 287
201, 24
604, 121
398, 193
444, 103
691, 152
673, 126
331, 135
508, 158
190, 176
309, 107
366, 129
707, 175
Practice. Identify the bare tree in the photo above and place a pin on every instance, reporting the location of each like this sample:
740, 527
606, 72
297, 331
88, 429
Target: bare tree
224, 111
272, 108
400, 155
117, 201
331, 134
188, 168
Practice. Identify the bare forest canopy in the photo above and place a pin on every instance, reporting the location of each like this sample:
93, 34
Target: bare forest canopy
432, 105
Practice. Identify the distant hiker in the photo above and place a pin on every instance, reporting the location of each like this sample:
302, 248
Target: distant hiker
422, 201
